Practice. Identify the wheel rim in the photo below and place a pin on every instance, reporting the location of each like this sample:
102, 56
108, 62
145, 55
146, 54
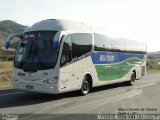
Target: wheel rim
132, 78
85, 87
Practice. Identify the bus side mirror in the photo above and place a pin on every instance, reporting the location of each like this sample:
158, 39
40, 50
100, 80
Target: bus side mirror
10, 37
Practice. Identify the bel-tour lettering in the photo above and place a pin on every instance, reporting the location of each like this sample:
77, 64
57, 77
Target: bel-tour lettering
104, 58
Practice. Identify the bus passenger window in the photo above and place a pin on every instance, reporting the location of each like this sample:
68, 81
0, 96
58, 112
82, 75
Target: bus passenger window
66, 52
81, 44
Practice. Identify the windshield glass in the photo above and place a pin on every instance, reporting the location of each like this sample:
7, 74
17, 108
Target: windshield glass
36, 52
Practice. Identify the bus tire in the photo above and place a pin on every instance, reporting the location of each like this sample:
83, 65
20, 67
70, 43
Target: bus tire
86, 86
132, 79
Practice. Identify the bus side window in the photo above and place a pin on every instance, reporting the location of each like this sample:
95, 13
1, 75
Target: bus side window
67, 51
81, 44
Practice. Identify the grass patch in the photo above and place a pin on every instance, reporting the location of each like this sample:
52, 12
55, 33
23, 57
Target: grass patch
6, 65
6, 54
153, 71
153, 66
6, 74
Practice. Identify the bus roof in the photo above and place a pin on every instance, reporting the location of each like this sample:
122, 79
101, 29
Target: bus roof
60, 25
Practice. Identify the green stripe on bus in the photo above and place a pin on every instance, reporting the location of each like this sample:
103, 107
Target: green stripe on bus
116, 71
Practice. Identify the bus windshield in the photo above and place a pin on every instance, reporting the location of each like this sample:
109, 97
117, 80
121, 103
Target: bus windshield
36, 52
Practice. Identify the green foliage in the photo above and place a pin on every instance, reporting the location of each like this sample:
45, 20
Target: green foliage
153, 64
6, 55
153, 61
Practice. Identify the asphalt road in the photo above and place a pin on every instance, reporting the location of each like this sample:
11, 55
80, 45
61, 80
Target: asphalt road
143, 97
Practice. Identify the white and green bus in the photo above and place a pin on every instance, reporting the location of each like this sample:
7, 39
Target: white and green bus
56, 56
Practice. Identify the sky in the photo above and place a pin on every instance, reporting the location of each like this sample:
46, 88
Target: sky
131, 19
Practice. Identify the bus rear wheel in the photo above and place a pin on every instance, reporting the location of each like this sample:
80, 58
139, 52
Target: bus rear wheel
86, 86
132, 80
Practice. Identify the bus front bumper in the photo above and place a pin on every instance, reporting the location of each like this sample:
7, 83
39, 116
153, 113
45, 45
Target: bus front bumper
39, 88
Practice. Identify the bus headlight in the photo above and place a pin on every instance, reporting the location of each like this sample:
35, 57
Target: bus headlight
51, 80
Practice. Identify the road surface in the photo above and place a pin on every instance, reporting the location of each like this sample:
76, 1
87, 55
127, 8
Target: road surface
143, 97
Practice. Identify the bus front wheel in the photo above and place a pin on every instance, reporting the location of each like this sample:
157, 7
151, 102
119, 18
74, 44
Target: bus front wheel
86, 86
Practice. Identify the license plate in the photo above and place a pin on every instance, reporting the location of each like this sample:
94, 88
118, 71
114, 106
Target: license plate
29, 86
